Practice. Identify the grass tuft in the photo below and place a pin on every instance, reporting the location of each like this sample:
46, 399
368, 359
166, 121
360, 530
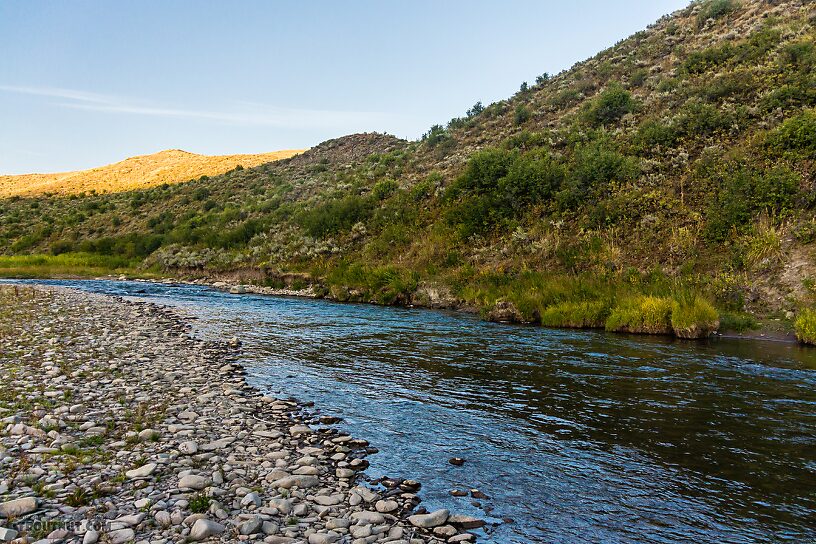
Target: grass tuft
805, 326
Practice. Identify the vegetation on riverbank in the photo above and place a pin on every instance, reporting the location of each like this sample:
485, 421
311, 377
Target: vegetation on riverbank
69, 264
806, 326
662, 186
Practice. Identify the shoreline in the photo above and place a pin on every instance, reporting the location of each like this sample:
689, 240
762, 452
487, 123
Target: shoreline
764, 333
183, 432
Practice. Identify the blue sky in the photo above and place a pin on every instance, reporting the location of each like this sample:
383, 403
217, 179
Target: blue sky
86, 83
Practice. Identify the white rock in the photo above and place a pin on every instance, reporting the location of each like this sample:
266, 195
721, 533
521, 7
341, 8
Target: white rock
141, 472
18, 507
205, 528
193, 481
433, 519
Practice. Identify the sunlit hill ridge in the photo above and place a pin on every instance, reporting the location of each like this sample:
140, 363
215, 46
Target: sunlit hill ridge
169, 166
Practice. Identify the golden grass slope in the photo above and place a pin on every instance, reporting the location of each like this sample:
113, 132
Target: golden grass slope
170, 166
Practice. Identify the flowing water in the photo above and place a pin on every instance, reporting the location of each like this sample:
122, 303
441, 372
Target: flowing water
577, 436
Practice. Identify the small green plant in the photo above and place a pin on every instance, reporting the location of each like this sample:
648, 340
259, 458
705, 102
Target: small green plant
79, 497
805, 326
199, 503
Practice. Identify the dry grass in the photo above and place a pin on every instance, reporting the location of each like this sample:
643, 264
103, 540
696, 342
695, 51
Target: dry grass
171, 166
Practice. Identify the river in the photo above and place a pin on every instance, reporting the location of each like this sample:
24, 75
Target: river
574, 436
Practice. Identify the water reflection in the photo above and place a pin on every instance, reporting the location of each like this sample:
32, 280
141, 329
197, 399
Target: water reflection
575, 435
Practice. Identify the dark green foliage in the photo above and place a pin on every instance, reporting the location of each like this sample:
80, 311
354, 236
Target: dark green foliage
542, 79
593, 166
796, 137
435, 135
654, 134
521, 115
475, 110
715, 9
799, 55
699, 118
384, 188
501, 184
335, 216
744, 192
698, 62
610, 106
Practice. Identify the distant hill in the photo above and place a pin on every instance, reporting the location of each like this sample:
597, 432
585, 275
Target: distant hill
169, 166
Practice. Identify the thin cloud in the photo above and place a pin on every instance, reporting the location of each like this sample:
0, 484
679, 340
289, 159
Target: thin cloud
243, 113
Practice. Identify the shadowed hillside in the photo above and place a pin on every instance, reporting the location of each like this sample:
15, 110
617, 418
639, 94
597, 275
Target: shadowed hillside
170, 166
663, 184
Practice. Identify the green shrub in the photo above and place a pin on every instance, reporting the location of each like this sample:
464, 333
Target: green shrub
592, 167
610, 106
698, 62
384, 188
744, 192
694, 317
586, 314
715, 9
799, 55
435, 136
795, 137
805, 326
737, 321
335, 216
653, 134
521, 114
643, 314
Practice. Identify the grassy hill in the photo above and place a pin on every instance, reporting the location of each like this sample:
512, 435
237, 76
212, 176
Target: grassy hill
169, 166
660, 186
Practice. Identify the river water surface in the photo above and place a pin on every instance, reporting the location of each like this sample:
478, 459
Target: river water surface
577, 436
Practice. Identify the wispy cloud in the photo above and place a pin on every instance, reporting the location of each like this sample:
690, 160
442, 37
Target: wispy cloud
239, 113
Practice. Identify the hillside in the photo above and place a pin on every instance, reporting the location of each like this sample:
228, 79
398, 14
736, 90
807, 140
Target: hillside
665, 182
169, 166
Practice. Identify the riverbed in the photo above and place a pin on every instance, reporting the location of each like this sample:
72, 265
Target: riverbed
573, 436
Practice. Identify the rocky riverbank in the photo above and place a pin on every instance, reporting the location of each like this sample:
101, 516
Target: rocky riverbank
118, 426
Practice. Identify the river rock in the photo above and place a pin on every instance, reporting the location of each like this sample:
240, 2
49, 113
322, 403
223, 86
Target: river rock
142, 472
205, 528
426, 521
194, 481
7, 535
18, 507
301, 481
466, 522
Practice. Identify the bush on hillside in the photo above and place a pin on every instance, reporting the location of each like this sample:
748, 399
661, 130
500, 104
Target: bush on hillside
796, 137
521, 115
743, 193
715, 9
335, 215
592, 167
610, 106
